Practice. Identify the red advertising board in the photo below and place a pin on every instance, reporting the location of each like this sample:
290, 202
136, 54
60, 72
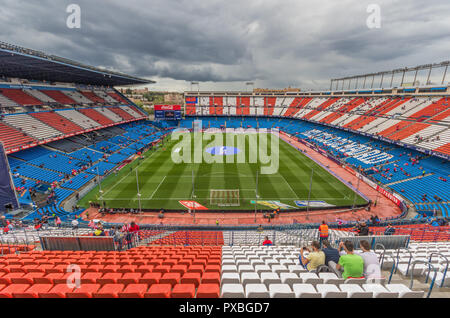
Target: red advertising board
191, 205
389, 195
167, 107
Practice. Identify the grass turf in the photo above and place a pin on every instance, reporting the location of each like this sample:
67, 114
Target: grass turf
163, 183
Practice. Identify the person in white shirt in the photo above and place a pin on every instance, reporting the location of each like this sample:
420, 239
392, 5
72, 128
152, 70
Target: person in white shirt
372, 267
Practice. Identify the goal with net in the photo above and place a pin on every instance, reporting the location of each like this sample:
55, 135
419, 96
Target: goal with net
224, 197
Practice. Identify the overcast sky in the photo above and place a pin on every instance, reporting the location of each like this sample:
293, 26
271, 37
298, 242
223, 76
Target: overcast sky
223, 44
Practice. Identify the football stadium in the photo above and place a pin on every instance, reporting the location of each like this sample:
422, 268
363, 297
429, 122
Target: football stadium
261, 193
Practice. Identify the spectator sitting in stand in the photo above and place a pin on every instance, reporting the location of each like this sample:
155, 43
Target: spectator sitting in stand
351, 264
315, 257
363, 229
389, 230
331, 254
267, 242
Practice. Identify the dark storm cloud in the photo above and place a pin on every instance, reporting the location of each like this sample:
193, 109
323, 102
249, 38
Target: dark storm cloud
276, 43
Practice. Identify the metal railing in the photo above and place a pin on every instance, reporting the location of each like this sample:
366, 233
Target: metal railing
430, 266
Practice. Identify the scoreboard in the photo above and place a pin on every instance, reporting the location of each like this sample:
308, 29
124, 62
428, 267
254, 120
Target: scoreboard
168, 112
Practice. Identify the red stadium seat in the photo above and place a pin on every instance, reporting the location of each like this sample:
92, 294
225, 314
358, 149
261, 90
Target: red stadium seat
134, 291
144, 269
196, 269
8, 278
150, 278
158, 291
129, 278
58, 291
211, 278
213, 268
109, 291
170, 278
208, 291
109, 278
85, 291
127, 269
8, 291
183, 291
34, 291
91, 277
110, 269
191, 278
162, 269
32, 278
179, 269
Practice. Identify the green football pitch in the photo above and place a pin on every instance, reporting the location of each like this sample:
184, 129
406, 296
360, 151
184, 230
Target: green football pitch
163, 183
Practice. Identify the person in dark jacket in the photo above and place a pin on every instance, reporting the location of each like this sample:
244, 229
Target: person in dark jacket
389, 230
331, 254
363, 229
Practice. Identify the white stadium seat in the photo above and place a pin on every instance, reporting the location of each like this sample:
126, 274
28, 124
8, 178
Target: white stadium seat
280, 291
305, 291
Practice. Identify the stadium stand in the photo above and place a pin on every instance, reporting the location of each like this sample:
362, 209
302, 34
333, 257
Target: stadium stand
107, 98
12, 138
79, 118
109, 114
39, 95
77, 97
122, 113
57, 121
32, 126
59, 97
117, 97
20, 97
95, 115
148, 269
93, 97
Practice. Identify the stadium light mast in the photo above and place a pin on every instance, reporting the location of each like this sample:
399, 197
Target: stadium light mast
100, 186
198, 86
357, 189
250, 84
256, 193
309, 195
139, 193
193, 193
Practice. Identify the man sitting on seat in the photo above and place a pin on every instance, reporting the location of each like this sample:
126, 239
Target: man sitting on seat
315, 257
372, 268
351, 263
331, 254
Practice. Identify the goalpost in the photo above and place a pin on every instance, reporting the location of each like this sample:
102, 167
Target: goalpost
224, 197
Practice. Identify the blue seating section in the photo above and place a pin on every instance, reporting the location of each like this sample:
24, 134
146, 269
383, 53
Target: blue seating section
86, 155
105, 146
101, 168
32, 153
58, 162
38, 173
116, 158
78, 181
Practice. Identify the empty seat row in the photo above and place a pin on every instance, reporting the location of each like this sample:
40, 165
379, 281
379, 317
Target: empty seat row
277, 290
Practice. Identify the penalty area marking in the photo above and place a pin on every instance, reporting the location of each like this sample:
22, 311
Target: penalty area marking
126, 176
157, 188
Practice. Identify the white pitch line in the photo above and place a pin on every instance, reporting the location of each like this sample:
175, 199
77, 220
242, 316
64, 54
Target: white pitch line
120, 181
157, 187
249, 198
288, 184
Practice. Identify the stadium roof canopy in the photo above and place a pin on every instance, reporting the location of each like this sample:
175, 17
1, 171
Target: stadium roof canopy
29, 64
